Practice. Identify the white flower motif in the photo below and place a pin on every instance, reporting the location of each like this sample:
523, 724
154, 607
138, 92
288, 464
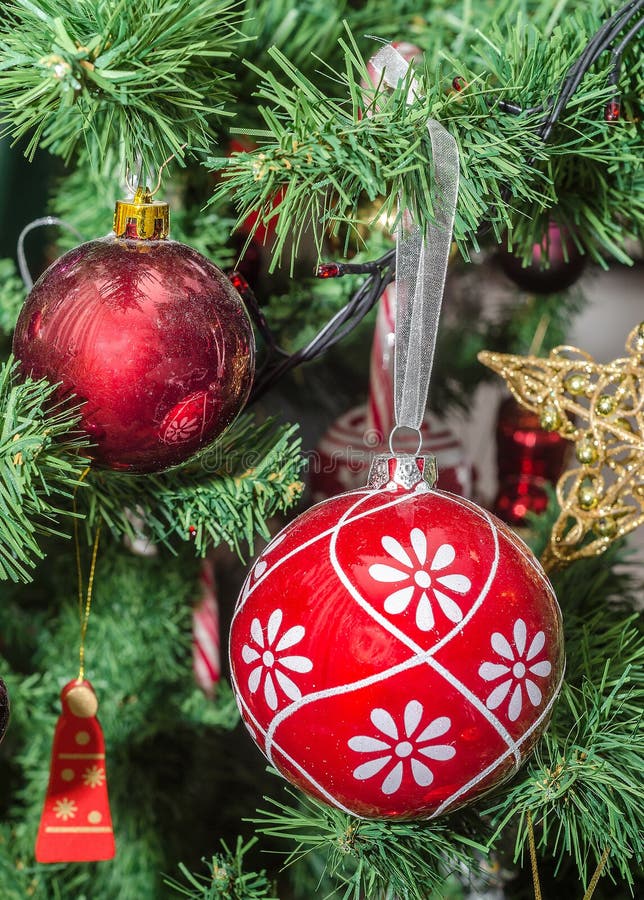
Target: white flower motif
266, 653
421, 579
396, 747
520, 666
181, 430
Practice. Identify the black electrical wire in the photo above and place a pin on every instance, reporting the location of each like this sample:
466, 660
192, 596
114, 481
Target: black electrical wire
596, 46
382, 271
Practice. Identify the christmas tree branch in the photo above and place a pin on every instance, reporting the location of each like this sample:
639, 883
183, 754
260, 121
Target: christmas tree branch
12, 296
582, 787
147, 76
226, 878
324, 147
583, 791
40, 463
227, 496
368, 858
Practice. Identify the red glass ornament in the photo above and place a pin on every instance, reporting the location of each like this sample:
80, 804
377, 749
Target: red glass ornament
152, 338
396, 651
4, 708
528, 458
556, 263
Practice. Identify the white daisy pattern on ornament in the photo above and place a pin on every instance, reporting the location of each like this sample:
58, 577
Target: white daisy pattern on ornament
420, 583
397, 752
518, 671
182, 429
265, 653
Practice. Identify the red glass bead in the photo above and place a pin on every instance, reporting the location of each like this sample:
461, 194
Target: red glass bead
612, 111
329, 270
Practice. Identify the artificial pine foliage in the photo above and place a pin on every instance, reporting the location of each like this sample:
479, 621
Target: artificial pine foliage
112, 89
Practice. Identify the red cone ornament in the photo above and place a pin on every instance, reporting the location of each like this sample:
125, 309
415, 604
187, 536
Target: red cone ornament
76, 825
396, 651
148, 334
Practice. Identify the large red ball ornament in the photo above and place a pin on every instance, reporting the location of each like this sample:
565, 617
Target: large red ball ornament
151, 337
396, 651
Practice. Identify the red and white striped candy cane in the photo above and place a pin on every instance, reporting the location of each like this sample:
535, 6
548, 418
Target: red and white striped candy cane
206, 656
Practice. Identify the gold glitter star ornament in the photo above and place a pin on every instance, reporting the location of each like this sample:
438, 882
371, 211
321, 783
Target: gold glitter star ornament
599, 407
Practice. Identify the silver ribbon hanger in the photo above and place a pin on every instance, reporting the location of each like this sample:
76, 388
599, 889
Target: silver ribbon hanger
421, 263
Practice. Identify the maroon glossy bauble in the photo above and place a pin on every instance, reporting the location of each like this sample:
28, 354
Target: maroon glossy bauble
396, 651
4, 708
152, 338
556, 263
528, 460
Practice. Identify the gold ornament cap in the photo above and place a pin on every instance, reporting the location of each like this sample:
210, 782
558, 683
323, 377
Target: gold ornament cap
142, 218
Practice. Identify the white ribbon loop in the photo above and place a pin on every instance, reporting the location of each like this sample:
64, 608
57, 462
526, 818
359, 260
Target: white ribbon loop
421, 261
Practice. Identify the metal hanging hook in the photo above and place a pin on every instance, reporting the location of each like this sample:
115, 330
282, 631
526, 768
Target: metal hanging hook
162, 167
25, 274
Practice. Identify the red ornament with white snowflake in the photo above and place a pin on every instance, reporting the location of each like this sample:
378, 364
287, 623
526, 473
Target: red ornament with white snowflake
396, 651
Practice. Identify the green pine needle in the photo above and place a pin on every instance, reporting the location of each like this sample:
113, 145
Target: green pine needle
40, 463
226, 496
367, 858
328, 142
147, 76
226, 878
12, 296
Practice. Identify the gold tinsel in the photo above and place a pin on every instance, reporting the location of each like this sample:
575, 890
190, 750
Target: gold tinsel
600, 408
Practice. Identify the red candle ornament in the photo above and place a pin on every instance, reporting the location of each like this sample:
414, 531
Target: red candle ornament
396, 651
76, 825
